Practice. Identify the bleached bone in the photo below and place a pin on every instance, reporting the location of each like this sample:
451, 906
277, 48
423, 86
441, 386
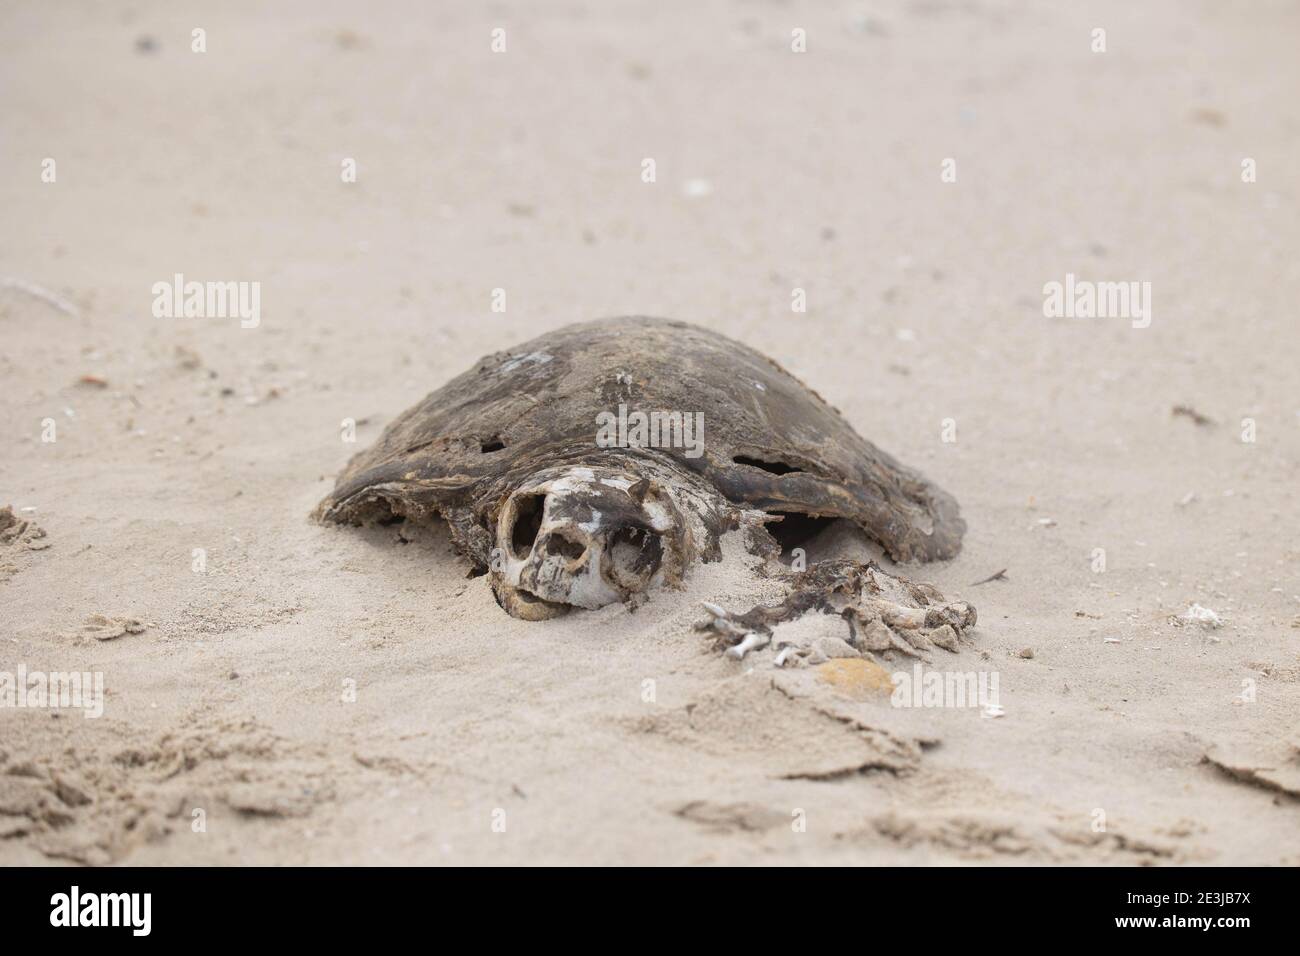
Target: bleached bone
752, 642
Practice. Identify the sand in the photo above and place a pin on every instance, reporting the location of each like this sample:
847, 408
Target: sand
301, 694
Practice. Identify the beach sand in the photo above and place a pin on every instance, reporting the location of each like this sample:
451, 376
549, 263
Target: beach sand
320, 695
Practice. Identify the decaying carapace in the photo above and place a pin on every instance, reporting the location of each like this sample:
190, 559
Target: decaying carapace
510, 455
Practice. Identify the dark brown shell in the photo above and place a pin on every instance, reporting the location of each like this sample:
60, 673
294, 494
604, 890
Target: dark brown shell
770, 442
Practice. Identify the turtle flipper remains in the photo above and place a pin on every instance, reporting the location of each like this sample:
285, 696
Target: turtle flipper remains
884, 612
577, 468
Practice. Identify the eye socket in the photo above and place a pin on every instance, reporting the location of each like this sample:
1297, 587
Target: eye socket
634, 555
528, 521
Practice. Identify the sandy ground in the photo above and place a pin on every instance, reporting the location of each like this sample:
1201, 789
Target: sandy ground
228, 735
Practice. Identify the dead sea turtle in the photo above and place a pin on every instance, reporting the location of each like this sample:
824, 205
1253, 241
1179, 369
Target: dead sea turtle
604, 458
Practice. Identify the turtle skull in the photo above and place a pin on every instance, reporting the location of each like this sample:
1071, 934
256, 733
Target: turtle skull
584, 537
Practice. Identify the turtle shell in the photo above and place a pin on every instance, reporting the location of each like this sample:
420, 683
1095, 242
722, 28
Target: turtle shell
769, 442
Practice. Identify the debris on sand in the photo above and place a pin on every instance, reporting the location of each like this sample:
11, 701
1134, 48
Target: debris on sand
97, 381
1208, 116
750, 642
731, 817
883, 613
104, 628
52, 299
1186, 411
998, 576
1196, 614
826, 649
348, 39
19, 532
187, 358
856, 677
1279, 773
814, 638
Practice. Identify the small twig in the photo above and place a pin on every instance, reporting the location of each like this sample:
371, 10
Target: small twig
45, 295
1000, 576
1188, 412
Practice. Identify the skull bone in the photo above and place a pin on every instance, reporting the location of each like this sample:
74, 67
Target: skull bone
585, 537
